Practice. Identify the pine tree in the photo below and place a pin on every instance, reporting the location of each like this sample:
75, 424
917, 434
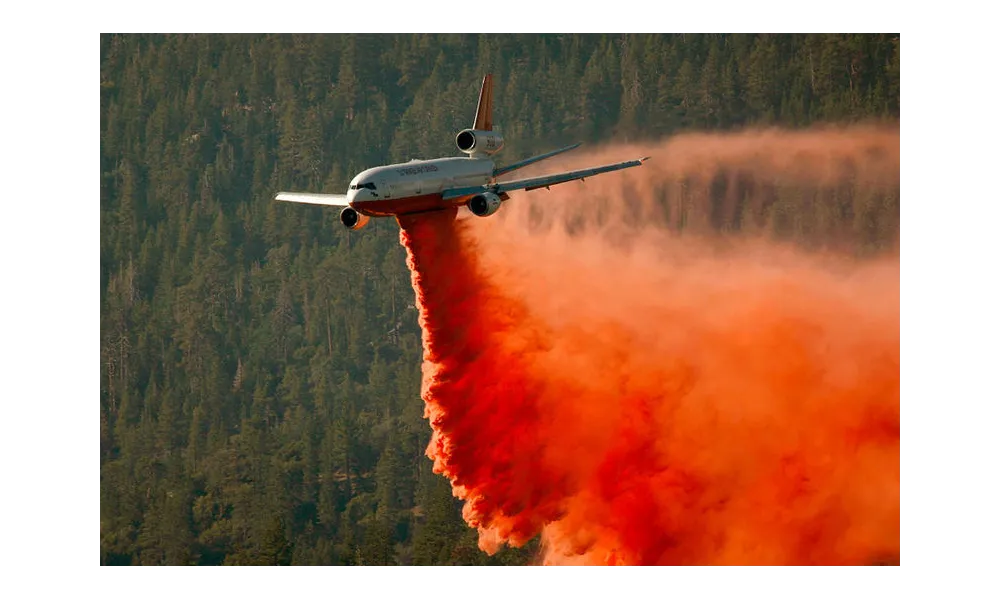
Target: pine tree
275, 549
436, 534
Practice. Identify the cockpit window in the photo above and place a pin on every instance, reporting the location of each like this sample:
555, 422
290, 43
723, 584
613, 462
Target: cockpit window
359, 186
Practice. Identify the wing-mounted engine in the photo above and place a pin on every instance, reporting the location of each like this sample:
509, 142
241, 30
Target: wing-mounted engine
352, 219
485, 204
474, 141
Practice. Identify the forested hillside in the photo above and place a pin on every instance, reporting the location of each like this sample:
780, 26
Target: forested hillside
260, 365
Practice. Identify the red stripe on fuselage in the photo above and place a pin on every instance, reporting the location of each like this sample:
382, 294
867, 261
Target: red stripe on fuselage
403, 206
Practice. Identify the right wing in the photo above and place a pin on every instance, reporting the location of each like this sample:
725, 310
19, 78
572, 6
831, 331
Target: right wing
462, 194
327, 199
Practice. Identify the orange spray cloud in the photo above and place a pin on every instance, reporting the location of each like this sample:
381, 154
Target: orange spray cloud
641, 397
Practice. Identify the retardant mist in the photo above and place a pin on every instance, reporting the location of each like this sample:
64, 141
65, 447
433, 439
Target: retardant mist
640, 390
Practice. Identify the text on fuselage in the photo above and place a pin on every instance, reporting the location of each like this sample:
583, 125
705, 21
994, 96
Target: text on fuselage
417, 170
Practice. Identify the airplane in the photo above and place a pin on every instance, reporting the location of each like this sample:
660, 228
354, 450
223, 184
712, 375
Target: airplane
421, 186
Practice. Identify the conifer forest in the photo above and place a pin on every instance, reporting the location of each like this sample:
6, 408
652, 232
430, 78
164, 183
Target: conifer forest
260, 364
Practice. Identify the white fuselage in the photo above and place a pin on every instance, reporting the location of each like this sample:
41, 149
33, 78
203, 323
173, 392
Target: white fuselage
415, 186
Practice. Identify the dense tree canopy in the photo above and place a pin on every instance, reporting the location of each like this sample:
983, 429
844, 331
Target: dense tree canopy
260, 365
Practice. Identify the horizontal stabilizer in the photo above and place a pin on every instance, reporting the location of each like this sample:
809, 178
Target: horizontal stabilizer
325, 199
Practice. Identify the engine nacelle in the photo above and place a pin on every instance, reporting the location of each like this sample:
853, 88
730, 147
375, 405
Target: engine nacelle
472, 141
484, 204
352, 219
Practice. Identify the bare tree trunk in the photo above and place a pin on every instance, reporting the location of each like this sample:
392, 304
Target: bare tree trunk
812, 73
329, 336
305, 309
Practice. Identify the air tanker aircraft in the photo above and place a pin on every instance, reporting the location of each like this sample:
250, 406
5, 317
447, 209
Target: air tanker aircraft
421, 186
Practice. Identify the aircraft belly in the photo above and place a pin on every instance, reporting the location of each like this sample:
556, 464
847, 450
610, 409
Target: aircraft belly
402, 206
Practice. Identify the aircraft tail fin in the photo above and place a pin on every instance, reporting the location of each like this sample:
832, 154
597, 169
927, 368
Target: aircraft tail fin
484, 112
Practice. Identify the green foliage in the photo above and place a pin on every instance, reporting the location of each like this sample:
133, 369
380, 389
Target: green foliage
259, 364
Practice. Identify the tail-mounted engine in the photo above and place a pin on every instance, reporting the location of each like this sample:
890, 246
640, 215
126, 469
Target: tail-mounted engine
352, 219
472, 141
484, 204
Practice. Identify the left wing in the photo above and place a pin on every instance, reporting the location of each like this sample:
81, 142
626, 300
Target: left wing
497, 172
327, 199
540, 182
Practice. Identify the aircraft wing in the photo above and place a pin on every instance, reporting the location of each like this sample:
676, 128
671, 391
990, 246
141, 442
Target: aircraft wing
524, 163
326, 199
462, 194
548, 180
